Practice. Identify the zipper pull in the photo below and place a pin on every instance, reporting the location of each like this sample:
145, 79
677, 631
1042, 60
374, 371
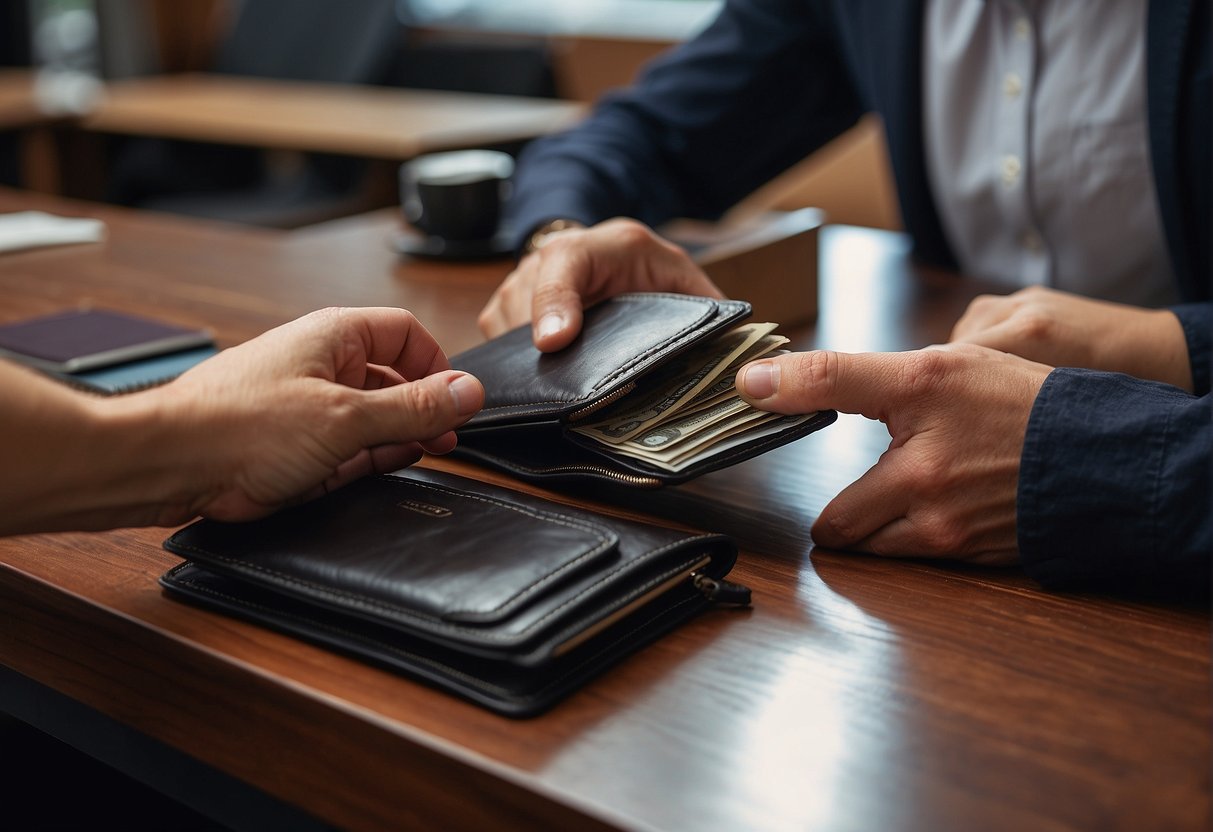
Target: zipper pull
720, 591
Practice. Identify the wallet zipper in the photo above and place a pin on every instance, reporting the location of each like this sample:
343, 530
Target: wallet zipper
594, 407
631, 479
715, 590
720, 591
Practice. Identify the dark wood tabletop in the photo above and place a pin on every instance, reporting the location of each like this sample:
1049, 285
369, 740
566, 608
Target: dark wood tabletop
857, 693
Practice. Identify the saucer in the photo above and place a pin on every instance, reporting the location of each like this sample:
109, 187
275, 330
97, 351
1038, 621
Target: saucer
419, 245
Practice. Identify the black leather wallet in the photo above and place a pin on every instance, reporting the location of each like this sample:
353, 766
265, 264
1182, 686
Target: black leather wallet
533, 399
509, 600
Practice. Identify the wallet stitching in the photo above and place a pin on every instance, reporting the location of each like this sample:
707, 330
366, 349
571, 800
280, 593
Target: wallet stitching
473, 681
371, 604
523, 408
680, 335
606, 536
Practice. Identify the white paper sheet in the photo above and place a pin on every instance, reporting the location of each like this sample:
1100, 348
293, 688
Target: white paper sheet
31, 229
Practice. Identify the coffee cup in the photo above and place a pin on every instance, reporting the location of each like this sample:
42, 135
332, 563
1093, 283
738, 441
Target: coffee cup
456, 195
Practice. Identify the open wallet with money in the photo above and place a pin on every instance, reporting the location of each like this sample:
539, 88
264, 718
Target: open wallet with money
644, 397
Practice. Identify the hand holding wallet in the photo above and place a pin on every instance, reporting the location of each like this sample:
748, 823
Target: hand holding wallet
541, 409
509, 600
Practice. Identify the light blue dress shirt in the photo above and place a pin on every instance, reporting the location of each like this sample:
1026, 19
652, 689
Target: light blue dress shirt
1037, 147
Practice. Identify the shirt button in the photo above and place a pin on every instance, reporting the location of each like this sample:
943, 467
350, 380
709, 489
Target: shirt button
1012, 85
1011, 167
1031, 241
1023, 28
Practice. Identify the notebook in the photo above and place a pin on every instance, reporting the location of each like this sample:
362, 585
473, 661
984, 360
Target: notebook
105, 351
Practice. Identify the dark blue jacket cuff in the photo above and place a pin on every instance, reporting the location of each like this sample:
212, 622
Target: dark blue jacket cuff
1197, 322
1114, 485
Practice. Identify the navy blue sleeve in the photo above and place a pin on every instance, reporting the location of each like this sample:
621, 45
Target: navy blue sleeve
1197, 322
1114, 485
704, 125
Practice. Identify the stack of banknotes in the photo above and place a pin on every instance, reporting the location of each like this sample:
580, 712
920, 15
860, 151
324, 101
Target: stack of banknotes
689, 410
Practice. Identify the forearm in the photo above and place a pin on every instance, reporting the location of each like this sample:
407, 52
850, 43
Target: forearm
1196, 321
680, 142
1061, 329
1151, 346
73, 461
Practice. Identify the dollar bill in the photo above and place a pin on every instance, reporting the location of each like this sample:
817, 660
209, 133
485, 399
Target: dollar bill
683, 442
721, 444
698, 423
690, 410
687, 377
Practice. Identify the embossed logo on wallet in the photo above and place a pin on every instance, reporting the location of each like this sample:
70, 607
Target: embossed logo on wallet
424, 508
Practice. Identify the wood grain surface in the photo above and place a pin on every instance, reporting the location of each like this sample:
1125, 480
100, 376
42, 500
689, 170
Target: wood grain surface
856, 694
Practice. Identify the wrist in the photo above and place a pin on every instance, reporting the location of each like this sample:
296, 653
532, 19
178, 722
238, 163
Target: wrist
1176, 368
1152, 346
543, 234
145, 473
75, 461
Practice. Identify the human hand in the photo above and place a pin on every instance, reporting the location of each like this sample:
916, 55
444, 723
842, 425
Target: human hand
577, 268
312, 405
957, 415
1066, 330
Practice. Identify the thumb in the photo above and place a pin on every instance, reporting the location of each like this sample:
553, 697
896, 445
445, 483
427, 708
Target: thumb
871, 384
556, 302
416, 411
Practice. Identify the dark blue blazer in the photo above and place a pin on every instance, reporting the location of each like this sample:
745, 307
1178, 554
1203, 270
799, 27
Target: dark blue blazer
772, 80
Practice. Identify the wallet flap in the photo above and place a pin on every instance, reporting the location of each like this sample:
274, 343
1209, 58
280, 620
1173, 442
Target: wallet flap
405, 550
621, 338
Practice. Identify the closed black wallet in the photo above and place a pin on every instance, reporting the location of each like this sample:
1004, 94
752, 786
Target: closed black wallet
533, 400
506, 599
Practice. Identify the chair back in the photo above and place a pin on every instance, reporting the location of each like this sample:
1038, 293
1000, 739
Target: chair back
332, 41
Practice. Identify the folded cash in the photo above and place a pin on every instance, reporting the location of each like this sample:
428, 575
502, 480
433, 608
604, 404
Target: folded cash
690, 409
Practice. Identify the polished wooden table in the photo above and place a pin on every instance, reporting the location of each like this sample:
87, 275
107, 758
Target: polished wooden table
857, 694
375, 122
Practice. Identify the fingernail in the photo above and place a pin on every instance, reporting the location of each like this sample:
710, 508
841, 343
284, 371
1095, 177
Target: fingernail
760, 381
465, 390
549, 325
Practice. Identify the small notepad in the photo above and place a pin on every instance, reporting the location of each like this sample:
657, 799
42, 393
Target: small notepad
138, 375
104, 351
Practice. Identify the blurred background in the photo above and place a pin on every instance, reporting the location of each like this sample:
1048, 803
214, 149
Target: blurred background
574, 50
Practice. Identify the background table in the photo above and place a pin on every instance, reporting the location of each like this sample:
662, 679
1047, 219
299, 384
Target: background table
22, 114
857, 694
375, 122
